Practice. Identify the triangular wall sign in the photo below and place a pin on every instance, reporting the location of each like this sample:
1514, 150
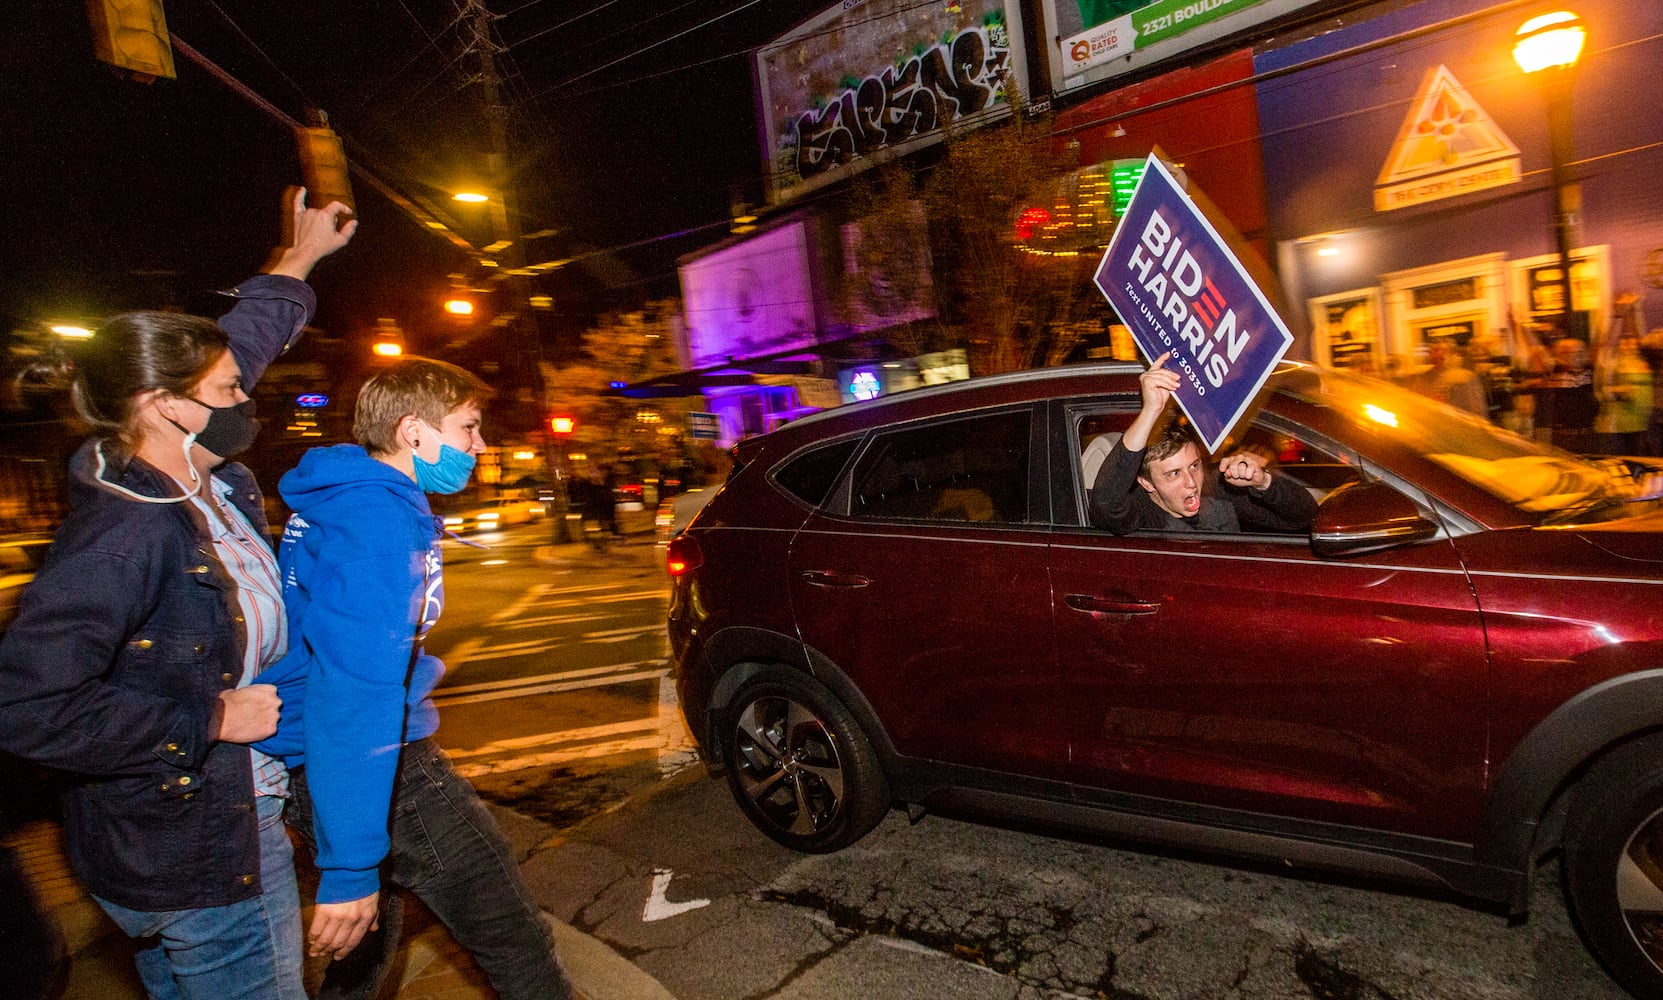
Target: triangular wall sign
1448, 146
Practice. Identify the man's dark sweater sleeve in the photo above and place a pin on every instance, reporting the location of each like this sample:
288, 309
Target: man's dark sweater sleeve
1285, 507
1115, 501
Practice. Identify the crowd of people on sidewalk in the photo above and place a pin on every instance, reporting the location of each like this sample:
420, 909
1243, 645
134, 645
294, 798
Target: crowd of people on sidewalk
202, 696
1589, 399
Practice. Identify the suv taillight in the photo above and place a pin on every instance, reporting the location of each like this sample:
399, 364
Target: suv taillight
683, 555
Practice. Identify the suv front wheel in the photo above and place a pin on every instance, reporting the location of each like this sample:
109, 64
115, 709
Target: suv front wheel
1613, 864
799, 765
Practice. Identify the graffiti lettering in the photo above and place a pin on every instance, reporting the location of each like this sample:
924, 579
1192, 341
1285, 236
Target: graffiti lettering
949, 81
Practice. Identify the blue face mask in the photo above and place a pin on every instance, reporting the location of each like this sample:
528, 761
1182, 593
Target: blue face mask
448, 475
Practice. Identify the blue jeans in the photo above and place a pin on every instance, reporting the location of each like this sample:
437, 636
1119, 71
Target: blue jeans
249, 950
446, 849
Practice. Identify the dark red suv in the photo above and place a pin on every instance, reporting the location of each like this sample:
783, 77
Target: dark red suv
1457, 671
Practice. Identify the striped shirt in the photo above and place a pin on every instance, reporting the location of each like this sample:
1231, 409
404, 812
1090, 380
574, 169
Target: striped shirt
260, 598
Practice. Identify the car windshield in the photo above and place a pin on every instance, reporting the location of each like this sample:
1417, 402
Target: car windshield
1553, 486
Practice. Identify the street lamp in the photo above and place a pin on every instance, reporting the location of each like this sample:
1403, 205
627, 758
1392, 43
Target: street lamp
1547, 48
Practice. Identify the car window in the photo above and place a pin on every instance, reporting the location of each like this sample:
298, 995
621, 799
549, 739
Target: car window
810, 476
1540, 481
1297, 457
972, 469
1314, 466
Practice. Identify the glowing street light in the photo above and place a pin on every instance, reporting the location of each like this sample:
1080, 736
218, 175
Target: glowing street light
471, 197
1546, 49
1550, 41
459, 307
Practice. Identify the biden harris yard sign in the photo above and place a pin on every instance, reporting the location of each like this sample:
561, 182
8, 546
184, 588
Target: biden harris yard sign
1176, 284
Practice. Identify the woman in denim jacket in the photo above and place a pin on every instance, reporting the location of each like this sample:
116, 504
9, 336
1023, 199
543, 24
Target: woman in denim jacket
129, 663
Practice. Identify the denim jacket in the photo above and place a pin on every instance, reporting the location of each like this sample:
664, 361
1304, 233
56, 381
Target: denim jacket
121, 645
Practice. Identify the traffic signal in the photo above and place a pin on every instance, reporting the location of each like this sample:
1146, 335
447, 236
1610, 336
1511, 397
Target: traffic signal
389, 339
323, 167
132, 35
563, 425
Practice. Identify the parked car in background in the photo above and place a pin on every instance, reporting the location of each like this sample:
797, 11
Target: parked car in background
675, 513
491, 515
1455, 673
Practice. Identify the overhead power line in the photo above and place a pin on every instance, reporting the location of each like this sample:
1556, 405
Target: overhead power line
428, 219
645, 49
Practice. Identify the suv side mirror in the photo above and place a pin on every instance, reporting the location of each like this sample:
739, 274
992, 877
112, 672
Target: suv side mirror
1367, 517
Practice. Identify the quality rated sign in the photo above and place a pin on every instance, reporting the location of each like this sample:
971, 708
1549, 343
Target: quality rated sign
1176, 284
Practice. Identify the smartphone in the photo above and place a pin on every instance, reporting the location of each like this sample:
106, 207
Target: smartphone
323, 169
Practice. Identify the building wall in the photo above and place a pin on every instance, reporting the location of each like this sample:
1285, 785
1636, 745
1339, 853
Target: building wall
1333, 109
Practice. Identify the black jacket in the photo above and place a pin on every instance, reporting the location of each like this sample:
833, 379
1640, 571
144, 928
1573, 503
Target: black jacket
120, 648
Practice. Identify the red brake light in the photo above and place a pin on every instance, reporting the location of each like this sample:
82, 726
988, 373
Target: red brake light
683, 555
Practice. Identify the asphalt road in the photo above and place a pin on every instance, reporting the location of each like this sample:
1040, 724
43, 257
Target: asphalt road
557, 700
678, 881
560, 707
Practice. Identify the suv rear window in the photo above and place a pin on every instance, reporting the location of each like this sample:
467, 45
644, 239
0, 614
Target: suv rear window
975, 469
810, 476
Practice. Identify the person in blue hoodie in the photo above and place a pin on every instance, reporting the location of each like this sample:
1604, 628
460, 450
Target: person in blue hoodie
373, 795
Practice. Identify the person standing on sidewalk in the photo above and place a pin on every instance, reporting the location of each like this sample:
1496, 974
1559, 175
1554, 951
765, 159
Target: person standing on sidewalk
129, 664
375, 797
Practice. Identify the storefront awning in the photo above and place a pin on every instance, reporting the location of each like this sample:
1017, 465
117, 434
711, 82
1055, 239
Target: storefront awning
739, 371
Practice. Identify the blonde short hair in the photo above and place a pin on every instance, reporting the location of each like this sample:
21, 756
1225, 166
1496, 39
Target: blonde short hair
430, 390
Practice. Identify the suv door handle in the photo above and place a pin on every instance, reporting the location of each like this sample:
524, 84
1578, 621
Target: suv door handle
831, 578
1104, 606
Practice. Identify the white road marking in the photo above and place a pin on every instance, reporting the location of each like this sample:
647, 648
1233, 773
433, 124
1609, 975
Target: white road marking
584, 602
550, 688
502, 650
619, 634
554, 758
660, 908
555, 620
515, 682
584, 733
589, 588
665, 732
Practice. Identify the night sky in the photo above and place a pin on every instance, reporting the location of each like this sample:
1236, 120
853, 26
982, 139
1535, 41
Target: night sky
128, 195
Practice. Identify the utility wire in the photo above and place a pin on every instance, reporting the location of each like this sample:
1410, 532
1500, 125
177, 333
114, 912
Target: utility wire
433, 41
427, 219
645, 49
261, 53
556, 27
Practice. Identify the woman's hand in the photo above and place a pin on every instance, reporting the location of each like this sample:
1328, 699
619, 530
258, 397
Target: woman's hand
314, 236
338, 927
250, 713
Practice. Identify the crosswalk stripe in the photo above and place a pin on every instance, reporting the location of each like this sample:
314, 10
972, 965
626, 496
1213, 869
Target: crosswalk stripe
574, 685
516, 682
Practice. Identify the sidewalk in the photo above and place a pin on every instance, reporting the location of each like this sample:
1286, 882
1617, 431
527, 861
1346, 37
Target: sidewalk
433, 966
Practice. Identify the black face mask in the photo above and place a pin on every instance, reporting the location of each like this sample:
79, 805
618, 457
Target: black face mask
230, 430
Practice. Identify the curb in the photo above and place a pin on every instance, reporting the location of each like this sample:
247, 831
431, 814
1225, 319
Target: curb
436, 966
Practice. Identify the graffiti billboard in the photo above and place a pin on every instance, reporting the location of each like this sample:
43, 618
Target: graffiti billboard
878, 77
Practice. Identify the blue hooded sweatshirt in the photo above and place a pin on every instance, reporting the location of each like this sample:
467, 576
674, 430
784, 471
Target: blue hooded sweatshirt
363, 582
